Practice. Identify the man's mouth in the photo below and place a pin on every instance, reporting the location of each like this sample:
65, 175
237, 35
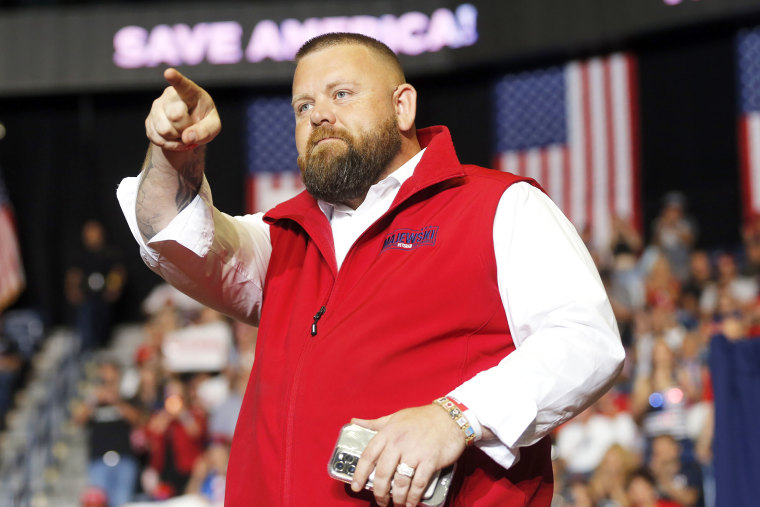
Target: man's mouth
324, 141
331, 139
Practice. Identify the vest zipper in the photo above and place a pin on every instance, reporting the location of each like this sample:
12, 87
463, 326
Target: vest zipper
316, 319
293, 395
308, 344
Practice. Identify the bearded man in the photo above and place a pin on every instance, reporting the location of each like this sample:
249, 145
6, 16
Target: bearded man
453, 308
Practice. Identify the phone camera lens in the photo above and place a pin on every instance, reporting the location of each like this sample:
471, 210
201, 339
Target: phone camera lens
339, 466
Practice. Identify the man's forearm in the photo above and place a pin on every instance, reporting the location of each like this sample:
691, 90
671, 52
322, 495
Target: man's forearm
168, 183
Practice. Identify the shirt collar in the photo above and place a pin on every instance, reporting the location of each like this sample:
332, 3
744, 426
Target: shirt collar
393, 180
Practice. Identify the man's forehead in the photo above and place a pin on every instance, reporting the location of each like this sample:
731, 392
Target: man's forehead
344, 49
341, 62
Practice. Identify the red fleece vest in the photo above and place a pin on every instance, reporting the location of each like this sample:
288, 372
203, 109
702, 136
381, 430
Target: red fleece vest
414, 312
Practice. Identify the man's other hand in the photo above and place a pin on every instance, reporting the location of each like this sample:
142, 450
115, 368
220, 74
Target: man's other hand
425, 438
183, 117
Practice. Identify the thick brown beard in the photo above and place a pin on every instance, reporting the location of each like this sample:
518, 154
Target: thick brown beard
338, 174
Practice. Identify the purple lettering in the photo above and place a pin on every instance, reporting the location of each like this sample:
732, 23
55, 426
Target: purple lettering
293, 34
389, 33
129, 47
366, 25
443, 30
467, 15
162, 47
264, 43
312, 28
192, 42
225, 43
411, 30
217, 43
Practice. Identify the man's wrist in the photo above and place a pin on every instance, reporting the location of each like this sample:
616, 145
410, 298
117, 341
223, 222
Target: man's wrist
459, 413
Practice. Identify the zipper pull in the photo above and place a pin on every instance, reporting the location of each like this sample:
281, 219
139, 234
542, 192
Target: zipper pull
316, 319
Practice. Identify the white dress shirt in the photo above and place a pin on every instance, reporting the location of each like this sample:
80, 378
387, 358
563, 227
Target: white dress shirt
568, 346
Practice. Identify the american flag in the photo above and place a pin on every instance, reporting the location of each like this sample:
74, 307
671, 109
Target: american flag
273, 174
748, 58
11, 270
574, 129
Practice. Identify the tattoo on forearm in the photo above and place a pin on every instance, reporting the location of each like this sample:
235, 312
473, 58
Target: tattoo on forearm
146, 229
145, 222
154, 192
188, 182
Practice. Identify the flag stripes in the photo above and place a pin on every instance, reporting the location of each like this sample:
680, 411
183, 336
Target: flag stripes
12, 279
588, 164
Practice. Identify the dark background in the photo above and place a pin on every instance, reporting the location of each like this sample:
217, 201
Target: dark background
64, 155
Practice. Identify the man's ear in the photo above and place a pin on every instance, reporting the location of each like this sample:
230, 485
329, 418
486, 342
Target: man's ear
405, 104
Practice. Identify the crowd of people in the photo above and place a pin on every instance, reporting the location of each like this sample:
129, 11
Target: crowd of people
160, 425
648, 442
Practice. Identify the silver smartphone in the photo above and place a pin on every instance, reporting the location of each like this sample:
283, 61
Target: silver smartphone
351, 442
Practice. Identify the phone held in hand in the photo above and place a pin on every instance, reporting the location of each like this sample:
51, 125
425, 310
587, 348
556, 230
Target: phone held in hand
351, 442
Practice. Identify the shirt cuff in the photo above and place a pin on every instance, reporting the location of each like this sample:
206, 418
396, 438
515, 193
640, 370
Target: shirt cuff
474, 424
193, 227
508, 426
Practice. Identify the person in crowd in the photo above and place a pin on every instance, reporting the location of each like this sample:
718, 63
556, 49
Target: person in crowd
622, 305
626, 246
93, 283
608, 482
660, 400
751, 244
692, 367
224, 416
209, 473
12, 364
244, 351
580, 494
148, 397
622, 275
662, 286
110, 419
700, 272
583, 442
677, 479
400, 277
700, 277
729, 285
674, 233
652, 324
93, 497
176, 436
641, 491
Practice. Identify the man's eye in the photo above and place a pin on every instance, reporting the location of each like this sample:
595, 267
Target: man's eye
304, 107
341, 94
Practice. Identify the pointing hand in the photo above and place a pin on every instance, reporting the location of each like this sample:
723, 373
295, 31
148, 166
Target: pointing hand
183, 117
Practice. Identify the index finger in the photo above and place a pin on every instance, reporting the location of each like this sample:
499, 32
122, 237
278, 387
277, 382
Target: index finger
366, 465
186, 88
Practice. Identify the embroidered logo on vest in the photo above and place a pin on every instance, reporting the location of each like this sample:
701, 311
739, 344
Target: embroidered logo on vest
410, 239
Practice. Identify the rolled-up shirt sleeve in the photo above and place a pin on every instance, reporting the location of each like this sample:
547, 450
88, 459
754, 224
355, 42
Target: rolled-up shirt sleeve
568, 345
217, 259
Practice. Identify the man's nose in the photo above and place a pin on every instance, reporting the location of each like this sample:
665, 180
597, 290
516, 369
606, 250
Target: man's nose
322, 113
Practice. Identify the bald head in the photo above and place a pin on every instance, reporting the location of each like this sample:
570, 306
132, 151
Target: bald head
383, 53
